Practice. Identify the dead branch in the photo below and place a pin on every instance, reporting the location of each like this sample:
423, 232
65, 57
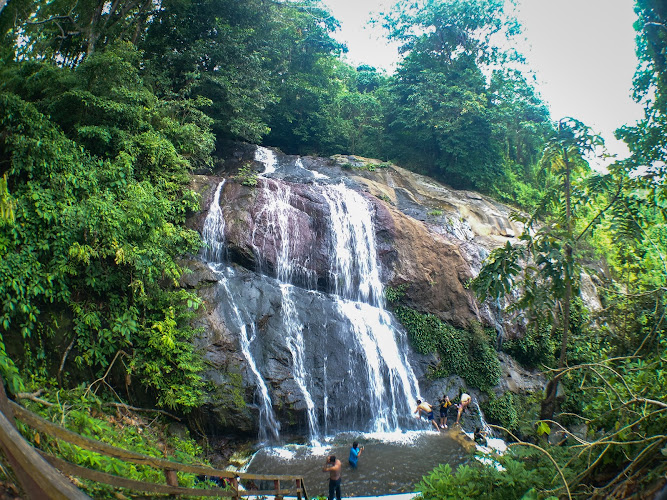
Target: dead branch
34, 396
104, 377
67, 351
134, 408
531, 445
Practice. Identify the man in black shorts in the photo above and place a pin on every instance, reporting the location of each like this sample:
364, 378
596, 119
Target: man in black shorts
426, 409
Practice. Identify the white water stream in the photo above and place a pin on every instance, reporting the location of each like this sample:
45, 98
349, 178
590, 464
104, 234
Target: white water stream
383, 388
214, 236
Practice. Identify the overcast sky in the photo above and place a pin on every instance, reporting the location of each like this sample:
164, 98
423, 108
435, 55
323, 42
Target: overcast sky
582, 52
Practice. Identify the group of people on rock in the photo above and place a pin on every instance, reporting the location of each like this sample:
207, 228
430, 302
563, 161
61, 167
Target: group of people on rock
424, 409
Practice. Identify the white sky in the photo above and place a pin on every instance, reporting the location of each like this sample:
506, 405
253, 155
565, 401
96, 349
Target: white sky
582, 52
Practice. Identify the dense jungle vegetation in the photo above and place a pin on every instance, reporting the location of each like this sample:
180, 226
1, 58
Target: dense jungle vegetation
106, 107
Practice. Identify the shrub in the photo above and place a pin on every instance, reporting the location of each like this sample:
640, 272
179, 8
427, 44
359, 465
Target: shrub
502, 411
467, 353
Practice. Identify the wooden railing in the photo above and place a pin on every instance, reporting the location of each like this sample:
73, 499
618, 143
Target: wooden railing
39, 477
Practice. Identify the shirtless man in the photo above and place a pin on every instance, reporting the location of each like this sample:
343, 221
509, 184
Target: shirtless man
465, 402
333, 467
427, 409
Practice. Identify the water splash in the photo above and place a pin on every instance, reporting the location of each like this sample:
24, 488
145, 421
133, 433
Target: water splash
268, 158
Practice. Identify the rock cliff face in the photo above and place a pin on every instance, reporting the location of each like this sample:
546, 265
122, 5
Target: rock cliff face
428, 238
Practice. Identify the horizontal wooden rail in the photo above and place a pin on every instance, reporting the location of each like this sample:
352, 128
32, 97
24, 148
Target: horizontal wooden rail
9, 437
54, 430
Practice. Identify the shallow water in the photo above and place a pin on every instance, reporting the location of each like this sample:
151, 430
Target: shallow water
390, 463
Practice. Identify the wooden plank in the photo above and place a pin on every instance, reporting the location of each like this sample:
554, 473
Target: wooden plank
66, 435
38, 478
56, 431
131, 484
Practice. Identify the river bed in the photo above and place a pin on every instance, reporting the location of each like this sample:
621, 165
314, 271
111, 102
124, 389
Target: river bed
390, 463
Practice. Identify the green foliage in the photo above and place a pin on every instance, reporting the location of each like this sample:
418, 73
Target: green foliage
476, 480
435, 212
246, 176
535, 348
647, 139
502, 411
443, 117
101, 193
467, 353
80, 411
395, 294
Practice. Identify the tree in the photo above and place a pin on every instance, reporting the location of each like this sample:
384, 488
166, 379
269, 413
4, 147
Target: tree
444, 117
548, 281
647, 140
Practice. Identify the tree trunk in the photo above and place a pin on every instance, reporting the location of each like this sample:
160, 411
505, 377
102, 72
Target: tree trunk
548, 406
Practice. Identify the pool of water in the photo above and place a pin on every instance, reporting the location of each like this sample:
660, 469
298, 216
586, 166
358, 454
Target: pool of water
390, 463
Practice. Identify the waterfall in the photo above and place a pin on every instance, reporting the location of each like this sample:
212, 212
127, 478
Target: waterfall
213, 234
358, 377
355, 272
295, 344
392, 385
485, 427
277, 214
268, 158
268, 424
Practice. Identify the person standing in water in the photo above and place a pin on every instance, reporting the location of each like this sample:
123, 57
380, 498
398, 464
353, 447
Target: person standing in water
355, 451
333, 466
427, 409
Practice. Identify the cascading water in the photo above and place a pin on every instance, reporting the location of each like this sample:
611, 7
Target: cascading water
213, 234
383, 388
277, 214
356, 278
267, 158
357, 376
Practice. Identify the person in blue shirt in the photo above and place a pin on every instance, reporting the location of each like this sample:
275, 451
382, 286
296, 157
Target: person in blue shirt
355, 451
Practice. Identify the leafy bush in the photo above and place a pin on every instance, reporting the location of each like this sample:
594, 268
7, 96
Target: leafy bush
502, 411
477, 480
467, 353
80, 411
536, 347
98, 171
246, 176
395, 294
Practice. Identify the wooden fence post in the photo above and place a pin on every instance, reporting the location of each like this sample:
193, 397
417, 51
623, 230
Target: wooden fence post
235, 485
298, 489
171, 477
